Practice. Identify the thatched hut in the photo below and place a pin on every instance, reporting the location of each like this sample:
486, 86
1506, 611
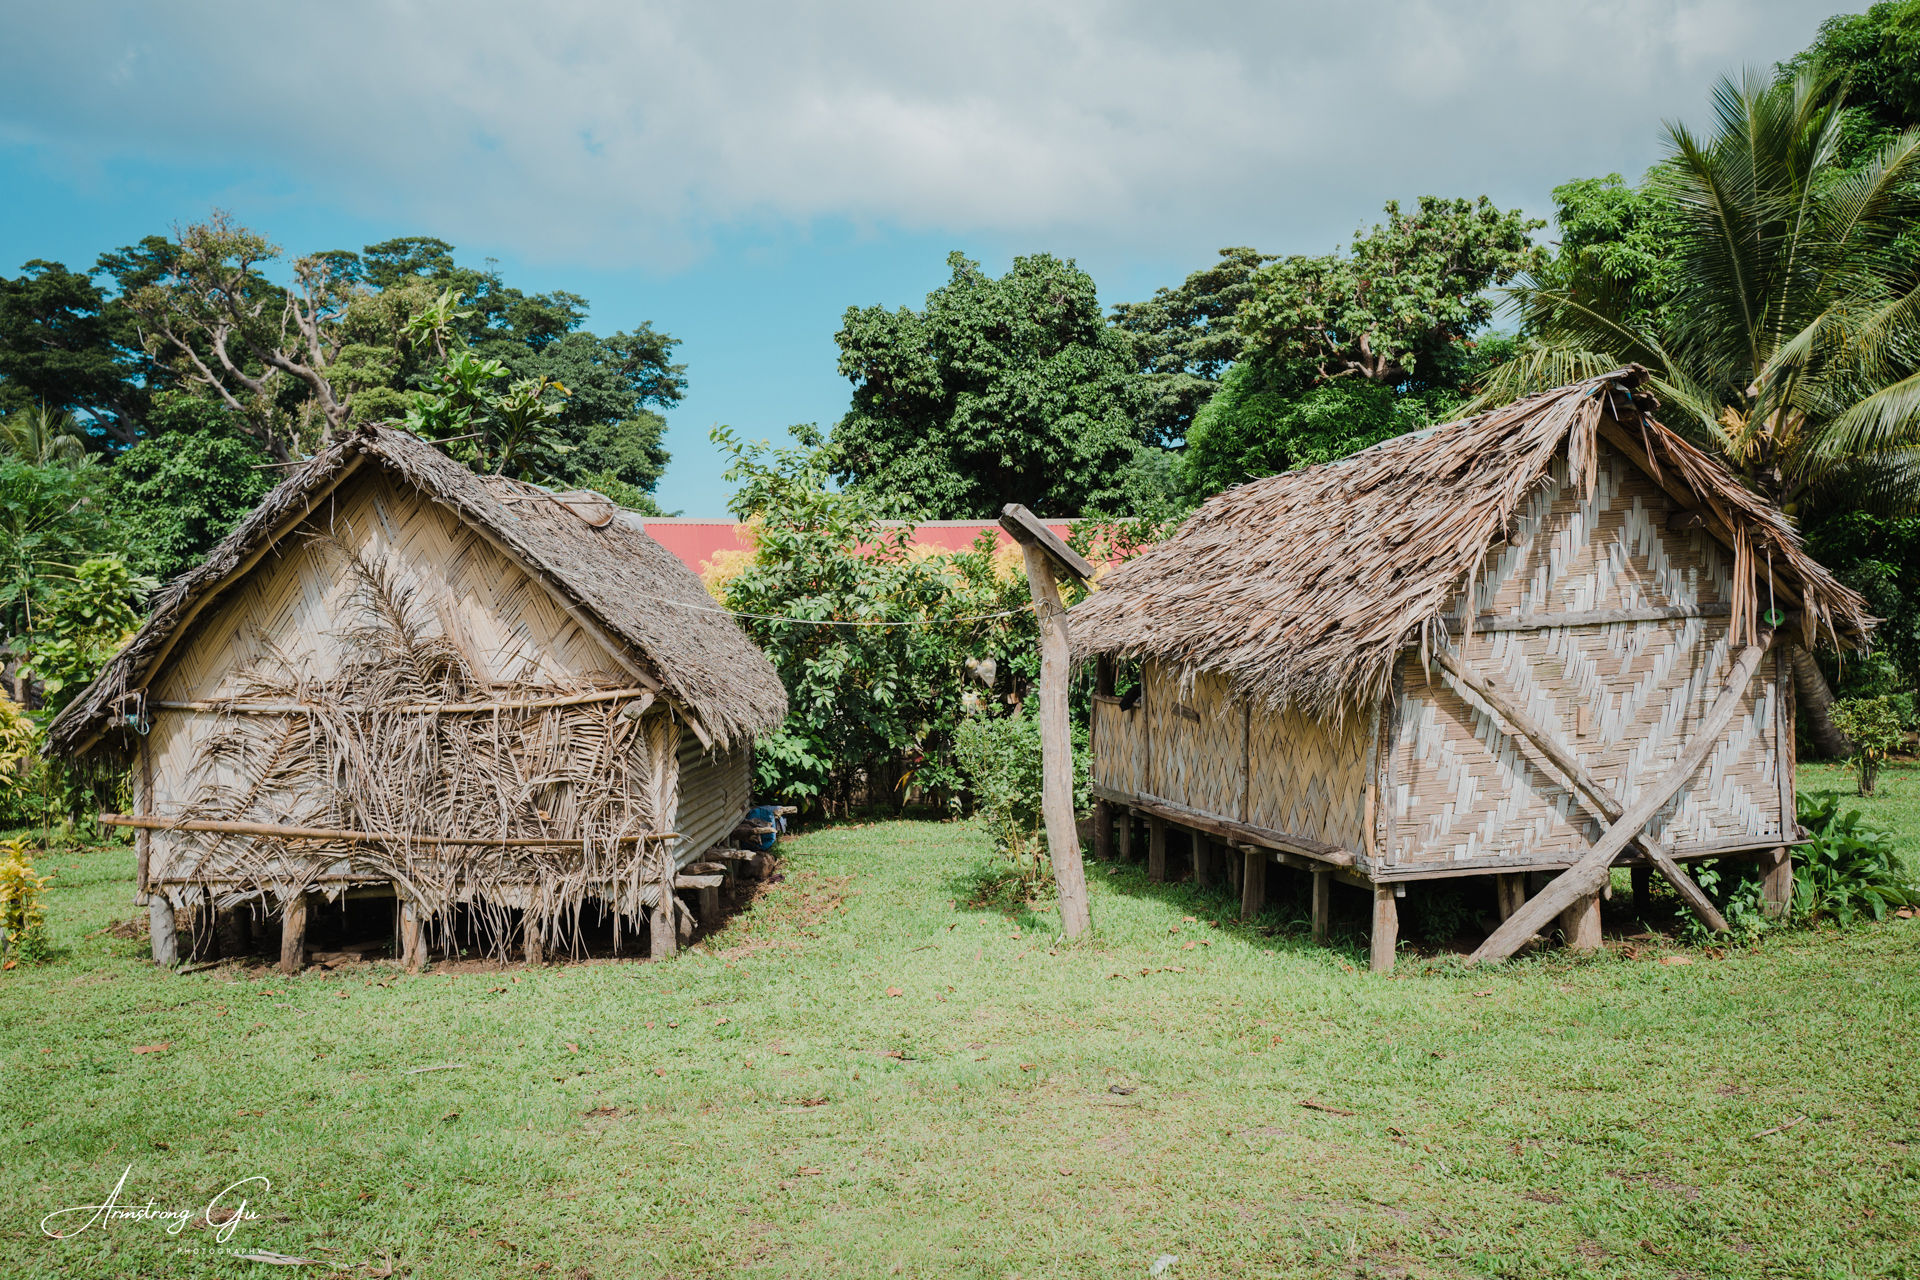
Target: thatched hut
472, 695
1469, 651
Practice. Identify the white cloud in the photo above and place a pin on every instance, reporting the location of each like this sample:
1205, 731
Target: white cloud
629, 132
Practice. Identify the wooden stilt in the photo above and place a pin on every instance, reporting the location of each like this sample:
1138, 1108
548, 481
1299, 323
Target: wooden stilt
1156, 850
709, 906
1776, 882
1253, 883
413, 953
1103, 830
1580, 924
1386, 929
1125, 850
661, 942
1322, 905
1511, 892
164, 933
293, 934
536, 951
1202, 860
1642, 878
1235, 866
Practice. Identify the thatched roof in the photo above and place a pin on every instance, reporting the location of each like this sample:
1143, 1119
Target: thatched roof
622, 580
1303, 588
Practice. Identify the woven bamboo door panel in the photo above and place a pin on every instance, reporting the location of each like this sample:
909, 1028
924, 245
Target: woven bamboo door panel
1308, 777
1120, 747
1621, 698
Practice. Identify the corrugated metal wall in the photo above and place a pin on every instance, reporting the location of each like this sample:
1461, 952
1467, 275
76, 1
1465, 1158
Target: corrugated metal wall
715, 792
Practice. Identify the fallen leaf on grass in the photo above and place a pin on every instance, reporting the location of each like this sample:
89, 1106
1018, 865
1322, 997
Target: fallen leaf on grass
153, 1048
572, 1047
1188, 946
494, 991
660, 1071
895, 991
1123, 1089
1026, 1066
450, 1117
721, 1022
279, 1259
808, 1171
1676, 959
1780, 1128
1905, 913
1311, 1105
1478, 994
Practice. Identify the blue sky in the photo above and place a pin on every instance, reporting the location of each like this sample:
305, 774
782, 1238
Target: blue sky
739, 174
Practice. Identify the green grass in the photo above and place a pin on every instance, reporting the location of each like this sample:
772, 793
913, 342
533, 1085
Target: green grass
1894, 805
1017, 1108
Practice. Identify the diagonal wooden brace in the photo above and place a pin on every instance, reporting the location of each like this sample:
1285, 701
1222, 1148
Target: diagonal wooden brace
1587, 875
1585, 786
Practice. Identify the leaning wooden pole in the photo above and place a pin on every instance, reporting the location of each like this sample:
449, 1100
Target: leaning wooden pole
1044, 553
1587, 875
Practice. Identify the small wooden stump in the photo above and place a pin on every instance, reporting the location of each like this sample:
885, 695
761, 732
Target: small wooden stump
1776, 882
1156, 850
1580, 924
413, 954
1386, 929
1322, 905
709, 905
293, 934
1253, 883
661, 941
163, 931
1103, 830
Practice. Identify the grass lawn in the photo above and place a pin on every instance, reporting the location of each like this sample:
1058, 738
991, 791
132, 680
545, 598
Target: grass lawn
861, 1077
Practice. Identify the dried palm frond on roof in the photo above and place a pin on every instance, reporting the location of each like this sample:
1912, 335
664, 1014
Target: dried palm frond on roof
1302, 588
627, 584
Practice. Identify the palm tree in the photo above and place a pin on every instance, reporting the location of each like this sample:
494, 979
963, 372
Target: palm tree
42, 437
1791, 344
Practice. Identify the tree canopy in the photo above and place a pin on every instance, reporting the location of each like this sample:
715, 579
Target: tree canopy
999, 390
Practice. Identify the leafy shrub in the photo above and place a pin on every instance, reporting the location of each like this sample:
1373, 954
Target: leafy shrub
1734, 885
1848, 868
1874, 726
23, 919
84, 625
1000, 758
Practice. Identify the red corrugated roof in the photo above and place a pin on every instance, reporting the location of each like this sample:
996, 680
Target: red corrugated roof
697, 541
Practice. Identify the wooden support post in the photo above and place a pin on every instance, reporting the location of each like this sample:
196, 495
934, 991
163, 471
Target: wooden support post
1510, 891
1386, 929
1322, 905
1156, 850
1045, 556
293, 934
1595, 866
413, 952
1776, 882
1103, 830
1253, 883
143, 805
709, 905
661, 941
1642, 878
1236, 867
536, 949
1580, 924
1126, 834
163, 931
1202, 860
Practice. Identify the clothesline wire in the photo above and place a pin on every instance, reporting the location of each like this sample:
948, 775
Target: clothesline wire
833, 622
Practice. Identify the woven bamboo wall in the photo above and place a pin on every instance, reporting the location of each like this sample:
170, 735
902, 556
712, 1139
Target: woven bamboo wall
1621, 697
505, 624
1199, 748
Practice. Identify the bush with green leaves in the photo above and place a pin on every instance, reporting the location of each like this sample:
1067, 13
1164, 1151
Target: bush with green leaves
1874, 727
23, 918
1000, 758
1848, 869
83, 626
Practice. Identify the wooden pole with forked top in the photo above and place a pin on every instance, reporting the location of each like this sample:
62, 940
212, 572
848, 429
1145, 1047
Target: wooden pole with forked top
1047, 560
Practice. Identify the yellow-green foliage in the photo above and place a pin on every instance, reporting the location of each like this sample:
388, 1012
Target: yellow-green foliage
22, 915
18, 738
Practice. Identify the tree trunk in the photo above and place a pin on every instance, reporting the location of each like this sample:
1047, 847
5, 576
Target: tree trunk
1816, 700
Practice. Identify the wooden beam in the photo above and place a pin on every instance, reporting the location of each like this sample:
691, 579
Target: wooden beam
279, 832
1322, 905
1202, 858
1585, 786
1056, 742
1253, 883
1591, 871
1156, 849
1026, 529
143, 803
1125, 850
1229, 831
1385, 939
1489, 622
419, 708
1776, 883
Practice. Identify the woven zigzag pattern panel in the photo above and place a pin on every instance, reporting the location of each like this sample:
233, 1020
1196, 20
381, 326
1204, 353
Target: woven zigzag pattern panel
1621, 698
1196, 732
1120, 747
1308, 777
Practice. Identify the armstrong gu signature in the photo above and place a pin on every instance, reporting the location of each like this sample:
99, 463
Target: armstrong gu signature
225, 1212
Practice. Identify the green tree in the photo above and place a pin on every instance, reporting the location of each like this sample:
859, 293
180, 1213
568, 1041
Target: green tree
1402, 307
85, 623
1879, 53
181, 490
1184, 340
68, 346
51, 519
1007, 390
